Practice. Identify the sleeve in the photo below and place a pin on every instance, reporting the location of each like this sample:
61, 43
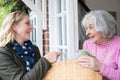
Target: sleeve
13, 69
110, 72
38, 71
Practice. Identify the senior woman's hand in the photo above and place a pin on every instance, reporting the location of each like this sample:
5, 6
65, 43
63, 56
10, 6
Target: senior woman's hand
52, 56
90, 62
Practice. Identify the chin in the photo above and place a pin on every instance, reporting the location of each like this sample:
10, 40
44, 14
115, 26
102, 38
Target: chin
27, 39
93, 41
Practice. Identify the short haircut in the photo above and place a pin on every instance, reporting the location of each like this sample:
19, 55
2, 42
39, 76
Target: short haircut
103, 21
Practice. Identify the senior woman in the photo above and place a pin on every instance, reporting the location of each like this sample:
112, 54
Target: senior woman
103, 44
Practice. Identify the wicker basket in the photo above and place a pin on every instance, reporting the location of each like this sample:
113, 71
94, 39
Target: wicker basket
70, 70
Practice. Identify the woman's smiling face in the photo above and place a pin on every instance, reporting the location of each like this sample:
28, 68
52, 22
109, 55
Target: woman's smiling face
91, 32
23, 29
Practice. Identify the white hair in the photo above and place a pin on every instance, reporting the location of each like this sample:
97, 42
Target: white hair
103, 21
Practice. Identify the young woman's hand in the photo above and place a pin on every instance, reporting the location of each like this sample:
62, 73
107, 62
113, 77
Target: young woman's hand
52, 56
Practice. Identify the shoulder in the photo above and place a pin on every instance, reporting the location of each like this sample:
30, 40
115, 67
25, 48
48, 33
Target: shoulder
115, 43
37, 52
87, 42
2, 50
115, 40
116, 37
5, 49
6, 52
36, 48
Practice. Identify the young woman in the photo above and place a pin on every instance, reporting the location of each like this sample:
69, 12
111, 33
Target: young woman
19, 58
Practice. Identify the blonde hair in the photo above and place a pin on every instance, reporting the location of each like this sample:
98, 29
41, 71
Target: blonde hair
7, 34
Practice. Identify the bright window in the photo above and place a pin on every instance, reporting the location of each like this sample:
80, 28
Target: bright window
63, 27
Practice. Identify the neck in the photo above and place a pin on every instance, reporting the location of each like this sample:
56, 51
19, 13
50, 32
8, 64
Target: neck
103, 41
21, 42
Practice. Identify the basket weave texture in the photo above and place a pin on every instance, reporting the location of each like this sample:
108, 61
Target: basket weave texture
70, 70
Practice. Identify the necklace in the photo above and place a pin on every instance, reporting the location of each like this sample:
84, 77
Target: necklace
104, 54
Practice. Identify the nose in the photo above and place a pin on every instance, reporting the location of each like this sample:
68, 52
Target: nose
31, 27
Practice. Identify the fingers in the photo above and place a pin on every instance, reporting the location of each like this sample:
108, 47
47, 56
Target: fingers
58, 53
90, 62
52, 56
85, 61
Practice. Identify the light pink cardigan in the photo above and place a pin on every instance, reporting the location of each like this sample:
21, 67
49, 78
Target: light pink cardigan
111, 64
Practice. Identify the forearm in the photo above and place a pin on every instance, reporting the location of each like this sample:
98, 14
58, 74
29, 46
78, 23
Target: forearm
38, 71
14, 70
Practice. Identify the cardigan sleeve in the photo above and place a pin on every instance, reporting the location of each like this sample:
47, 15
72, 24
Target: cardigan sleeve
111, 72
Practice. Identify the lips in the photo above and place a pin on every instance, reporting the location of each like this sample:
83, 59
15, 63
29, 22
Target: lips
29, 31
91, 37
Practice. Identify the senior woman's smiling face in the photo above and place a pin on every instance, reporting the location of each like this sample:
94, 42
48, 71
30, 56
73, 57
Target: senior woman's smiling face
95, 36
